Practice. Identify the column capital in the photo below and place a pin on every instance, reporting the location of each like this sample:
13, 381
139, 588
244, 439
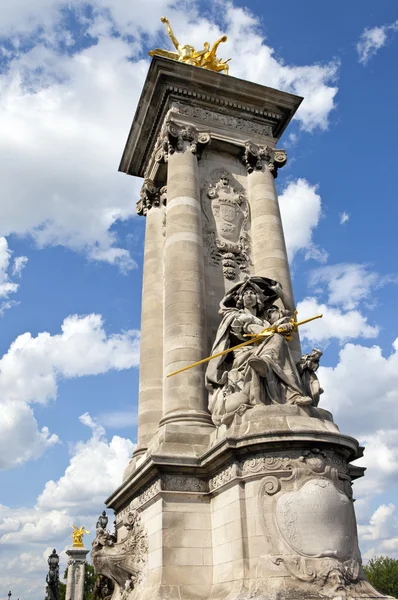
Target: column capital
180, 138
149, 196
256, 158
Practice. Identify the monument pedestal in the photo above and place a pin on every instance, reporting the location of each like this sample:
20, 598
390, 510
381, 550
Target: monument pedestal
241, 486
76, 570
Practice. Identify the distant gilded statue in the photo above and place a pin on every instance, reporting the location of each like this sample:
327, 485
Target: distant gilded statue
77, 536
260, 373
186, 53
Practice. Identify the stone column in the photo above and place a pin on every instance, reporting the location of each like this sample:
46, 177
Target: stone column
185, 397
151, 342
269, 247
76, 569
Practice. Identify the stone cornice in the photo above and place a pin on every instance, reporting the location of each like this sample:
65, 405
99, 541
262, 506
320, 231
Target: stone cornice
169, 80
222, 455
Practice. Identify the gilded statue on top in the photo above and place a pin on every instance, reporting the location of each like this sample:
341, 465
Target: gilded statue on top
205, 58
77, 536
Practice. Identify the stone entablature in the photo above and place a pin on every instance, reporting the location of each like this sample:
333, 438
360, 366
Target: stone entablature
253, 108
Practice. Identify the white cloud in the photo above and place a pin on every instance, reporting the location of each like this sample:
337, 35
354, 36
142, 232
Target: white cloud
20, 438
31, 368
379, 524
334, 323
348, 284
19, 264
372, 40
64, 117
301, 209
7, 287
67, 127
105, 460
28, 535
362, 393
344, 217
118, 419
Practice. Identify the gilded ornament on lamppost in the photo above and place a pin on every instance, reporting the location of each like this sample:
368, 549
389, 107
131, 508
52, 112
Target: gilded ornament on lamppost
77, 536
206, 58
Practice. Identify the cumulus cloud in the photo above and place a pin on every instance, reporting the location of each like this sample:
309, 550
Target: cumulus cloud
65, 111
32, 367
335, 323
301, 210
362, 393
74, 498
106, 460
372, 40
348, 284
8, 287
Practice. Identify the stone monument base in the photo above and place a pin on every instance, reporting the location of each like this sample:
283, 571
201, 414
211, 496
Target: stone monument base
266, 516
76, 569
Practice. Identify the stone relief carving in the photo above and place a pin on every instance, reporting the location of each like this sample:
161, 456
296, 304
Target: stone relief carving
307, 367
179, 138
123, 562
226, 225
255, 158
309, 522
149, 196
223, 477
183, 484
216, 117
262, 373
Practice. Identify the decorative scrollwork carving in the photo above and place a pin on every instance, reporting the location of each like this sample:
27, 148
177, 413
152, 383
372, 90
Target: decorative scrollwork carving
255, 158
219, 118
149, 197
182, 483
179, 138
123, 562
270, 485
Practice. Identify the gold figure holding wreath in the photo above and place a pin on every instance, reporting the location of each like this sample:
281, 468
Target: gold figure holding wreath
205, 58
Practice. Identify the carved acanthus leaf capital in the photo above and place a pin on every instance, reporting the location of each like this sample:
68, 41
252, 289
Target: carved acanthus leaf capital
149, 196
180, 138
256, 158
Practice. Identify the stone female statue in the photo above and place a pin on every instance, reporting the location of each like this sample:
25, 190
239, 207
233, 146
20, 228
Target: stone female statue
261, 373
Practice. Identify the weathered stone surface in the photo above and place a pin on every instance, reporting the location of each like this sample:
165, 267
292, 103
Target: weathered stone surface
76, 569
258, 502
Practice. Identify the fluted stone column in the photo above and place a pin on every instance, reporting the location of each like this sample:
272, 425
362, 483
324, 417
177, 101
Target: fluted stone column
269, 247
185, 397
151, 342
76, 569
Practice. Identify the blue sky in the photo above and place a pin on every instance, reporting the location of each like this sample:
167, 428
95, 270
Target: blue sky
71, 245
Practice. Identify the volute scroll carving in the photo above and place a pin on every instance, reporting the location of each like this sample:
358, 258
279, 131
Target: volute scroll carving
149, 196
309, 523
123, 561
256, 158
180, 138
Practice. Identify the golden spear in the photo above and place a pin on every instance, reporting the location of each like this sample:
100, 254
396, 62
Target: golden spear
255, 337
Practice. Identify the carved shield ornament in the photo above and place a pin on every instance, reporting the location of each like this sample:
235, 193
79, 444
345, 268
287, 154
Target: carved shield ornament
318, 520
